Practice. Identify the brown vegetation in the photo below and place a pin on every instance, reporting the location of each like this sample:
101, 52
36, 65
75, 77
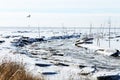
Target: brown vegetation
14, 71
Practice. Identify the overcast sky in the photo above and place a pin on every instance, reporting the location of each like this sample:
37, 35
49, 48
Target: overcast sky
57, 12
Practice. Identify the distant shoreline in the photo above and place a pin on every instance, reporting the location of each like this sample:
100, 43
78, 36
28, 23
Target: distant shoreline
62, 27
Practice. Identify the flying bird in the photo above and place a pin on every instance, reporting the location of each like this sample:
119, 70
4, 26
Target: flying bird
29, 16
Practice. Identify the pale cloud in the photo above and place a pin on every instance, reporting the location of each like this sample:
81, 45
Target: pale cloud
32, 5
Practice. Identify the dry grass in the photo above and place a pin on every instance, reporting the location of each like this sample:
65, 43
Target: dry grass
14, 71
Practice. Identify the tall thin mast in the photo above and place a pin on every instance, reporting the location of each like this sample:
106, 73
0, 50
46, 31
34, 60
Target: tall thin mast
90, 32
63, 29
39, 31
109, 23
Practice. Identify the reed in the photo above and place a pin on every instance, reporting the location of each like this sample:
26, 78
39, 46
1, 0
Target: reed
15, 71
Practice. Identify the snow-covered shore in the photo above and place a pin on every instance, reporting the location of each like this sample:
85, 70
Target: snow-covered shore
57, 59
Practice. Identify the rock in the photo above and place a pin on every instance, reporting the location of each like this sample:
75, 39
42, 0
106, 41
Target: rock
2, 41
58, 54
87, 70
104, 75
43, 64
49, 73
26, 41
61, 64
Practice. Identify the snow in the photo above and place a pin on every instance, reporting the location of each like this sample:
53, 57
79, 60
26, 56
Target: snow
73, 56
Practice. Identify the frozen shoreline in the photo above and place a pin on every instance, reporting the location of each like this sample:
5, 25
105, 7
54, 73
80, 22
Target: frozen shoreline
61, 59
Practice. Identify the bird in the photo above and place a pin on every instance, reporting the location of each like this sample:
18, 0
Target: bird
29, 16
